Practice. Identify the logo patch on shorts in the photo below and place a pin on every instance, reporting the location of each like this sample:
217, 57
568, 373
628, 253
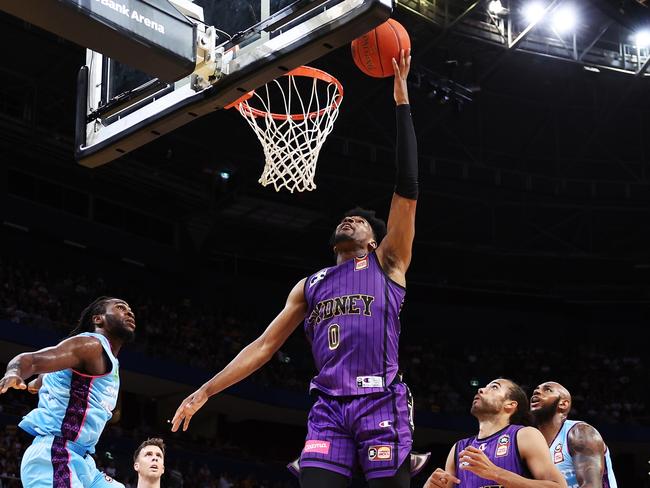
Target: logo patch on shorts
558, 457
385, 424
380, 453
319, 447
502, 446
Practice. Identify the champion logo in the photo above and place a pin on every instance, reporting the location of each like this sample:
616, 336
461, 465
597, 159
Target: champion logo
482, 446
319, 447
385, 424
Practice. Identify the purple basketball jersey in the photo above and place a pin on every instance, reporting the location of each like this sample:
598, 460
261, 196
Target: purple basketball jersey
353, 326
501, 448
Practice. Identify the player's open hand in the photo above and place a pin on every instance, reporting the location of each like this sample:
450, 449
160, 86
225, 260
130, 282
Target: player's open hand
188, 408
441, 479
401, 68
11, 380
475, 460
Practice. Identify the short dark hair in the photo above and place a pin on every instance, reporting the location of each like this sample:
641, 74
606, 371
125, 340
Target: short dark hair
152, 441
522, 415
85, 324
378, 225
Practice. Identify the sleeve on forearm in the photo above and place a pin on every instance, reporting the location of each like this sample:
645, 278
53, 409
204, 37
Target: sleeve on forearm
406, 154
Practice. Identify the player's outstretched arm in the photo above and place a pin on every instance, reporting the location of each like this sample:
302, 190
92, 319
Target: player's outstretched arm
81, 353
444, 478
534, 452
587, 448
250, 359
394, 251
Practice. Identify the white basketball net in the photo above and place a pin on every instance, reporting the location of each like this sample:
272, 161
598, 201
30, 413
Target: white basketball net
292, 141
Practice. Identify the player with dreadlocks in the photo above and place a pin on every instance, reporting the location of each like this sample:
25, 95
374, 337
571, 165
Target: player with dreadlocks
78, 385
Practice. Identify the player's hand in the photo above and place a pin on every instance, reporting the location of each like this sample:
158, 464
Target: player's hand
35, 385
441, 479
401, 68
475, 460
11, 380
188, 408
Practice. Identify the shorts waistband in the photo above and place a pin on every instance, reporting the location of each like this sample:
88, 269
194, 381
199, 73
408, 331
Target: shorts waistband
72, 446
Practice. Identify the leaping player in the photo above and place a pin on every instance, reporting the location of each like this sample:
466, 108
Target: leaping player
351, 318
77, 386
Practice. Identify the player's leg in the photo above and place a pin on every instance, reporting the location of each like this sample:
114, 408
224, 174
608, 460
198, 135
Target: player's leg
384, 435
322, 478
48, 463
329, 447
401, 479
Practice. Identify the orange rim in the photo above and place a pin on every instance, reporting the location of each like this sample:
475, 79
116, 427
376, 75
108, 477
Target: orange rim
306, 71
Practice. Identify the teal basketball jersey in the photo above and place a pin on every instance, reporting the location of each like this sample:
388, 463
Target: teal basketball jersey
564, 461
76, 406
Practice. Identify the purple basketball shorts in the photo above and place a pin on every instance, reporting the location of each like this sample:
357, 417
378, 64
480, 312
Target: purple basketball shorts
373, 432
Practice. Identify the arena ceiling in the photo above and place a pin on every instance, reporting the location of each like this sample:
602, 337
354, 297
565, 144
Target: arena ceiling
539, 185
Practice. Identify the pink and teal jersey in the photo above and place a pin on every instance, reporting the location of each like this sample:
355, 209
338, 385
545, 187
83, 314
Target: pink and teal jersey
75, 407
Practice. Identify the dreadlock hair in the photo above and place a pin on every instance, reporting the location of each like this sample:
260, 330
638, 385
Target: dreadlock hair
522, 415
378, 225
152, 441
85, 324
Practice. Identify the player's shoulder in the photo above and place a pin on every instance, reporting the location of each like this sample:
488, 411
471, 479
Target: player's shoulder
582, 434
84, 344
527, 434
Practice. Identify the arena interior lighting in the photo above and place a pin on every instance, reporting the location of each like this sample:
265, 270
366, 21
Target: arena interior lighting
642, 39
533, 12
564, 19
496, 7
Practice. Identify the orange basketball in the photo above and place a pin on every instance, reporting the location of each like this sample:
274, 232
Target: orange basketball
372, 52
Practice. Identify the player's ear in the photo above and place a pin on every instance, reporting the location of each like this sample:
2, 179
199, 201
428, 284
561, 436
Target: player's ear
136, 467
564, 405
510, 406
373, 244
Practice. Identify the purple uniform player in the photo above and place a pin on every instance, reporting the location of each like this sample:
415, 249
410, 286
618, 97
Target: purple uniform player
362, 414
505, 453
351, 316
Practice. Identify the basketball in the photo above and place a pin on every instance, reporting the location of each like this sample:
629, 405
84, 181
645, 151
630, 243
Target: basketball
373, 51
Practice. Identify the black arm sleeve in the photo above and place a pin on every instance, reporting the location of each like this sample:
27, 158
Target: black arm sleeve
406, 154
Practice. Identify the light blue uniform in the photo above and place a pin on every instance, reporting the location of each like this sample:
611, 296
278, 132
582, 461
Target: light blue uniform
564, 461
73, 409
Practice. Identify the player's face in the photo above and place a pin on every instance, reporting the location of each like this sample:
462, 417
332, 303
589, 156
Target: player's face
490, 398
150, 462
544, 396
353, 228
120, 320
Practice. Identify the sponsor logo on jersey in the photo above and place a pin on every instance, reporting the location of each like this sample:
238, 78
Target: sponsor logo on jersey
360, 263
319, 447
380, 453
482, 446
385, 424
558, 456
502, 446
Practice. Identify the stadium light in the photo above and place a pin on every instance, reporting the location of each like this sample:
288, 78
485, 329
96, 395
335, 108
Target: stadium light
533, 12
642, 39
564, 19
496, 7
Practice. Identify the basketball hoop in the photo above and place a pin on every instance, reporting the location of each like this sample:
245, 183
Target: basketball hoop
292, 138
